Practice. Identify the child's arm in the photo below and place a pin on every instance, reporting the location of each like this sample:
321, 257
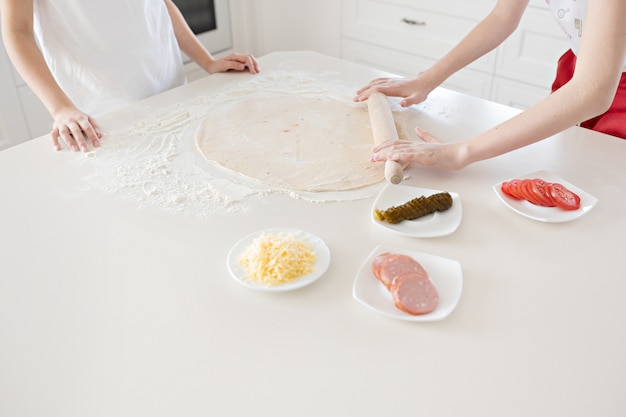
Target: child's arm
191, 46
71, 126
589, 93
486, 36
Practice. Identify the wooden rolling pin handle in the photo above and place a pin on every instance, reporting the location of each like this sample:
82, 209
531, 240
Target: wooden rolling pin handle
383, 129
393, 172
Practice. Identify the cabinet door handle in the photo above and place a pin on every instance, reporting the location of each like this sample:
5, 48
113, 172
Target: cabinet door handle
413, 22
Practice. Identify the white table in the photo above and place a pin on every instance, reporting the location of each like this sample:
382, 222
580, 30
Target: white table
108, 308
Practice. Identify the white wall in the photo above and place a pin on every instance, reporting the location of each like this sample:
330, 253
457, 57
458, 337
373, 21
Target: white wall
265, 26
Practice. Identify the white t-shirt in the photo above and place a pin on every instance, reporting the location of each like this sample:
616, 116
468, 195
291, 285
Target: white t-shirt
570, 14
108, 53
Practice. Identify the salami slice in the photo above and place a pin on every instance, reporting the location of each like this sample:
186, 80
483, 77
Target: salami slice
377, 263
395, 264
413, 293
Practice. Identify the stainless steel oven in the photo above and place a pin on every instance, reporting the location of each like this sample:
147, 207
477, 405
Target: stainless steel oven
210, 21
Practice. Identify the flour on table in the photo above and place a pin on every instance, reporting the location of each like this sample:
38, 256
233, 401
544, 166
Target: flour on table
156, 162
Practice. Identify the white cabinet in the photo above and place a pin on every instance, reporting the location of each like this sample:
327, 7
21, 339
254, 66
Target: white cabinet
12, 123
407, 36
468, 81
22, 116
526, 62
38, 119
423, 28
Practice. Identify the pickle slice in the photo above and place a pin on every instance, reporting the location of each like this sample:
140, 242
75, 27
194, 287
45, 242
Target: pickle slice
415, 208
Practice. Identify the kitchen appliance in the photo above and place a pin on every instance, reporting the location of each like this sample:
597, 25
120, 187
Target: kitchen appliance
210, 21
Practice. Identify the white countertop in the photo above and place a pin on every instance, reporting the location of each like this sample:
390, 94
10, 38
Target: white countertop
109, 307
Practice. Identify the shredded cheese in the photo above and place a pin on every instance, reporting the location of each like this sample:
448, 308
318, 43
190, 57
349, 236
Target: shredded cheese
276, 259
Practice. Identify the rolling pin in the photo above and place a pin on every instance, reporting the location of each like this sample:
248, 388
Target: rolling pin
383, 129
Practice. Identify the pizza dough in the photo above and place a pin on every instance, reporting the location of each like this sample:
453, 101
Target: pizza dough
292, 141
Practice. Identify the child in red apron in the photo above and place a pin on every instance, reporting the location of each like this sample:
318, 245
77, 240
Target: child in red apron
595, 29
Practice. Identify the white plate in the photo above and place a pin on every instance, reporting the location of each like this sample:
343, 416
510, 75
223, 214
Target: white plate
445, 274
237, 271
547, 214
440, 223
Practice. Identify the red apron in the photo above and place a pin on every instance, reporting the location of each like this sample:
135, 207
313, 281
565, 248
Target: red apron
613, 122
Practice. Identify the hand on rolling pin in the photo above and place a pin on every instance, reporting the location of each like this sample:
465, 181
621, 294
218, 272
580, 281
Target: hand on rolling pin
413, 91
425, 151
384, 129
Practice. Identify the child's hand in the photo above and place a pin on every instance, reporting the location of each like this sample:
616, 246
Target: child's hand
411, 90
427, 150
76, 130
235, 62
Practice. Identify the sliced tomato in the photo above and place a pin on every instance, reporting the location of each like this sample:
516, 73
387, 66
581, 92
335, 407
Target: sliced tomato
506, 189
563, 197
512, 189
540, 193
527, 191
520, 190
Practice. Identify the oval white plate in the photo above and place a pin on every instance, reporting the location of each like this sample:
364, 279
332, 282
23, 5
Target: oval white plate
441, 223
547, 214
238, 272
445, 274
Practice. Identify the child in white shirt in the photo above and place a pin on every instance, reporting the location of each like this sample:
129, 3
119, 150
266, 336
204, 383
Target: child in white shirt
82, 58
